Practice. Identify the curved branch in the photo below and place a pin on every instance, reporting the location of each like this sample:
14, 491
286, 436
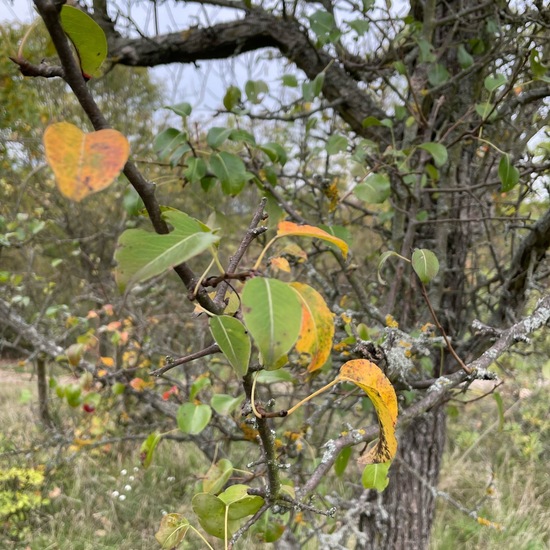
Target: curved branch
257, 30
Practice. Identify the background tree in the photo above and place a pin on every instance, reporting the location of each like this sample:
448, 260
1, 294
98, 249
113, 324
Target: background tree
404, 132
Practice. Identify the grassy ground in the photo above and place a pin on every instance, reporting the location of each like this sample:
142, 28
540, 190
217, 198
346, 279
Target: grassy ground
106, 501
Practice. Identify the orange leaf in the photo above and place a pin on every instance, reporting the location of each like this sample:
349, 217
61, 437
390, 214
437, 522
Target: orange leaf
317, 330
380, 391
285, 229
84, 163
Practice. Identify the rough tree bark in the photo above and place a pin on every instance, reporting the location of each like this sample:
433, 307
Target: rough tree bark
402, 519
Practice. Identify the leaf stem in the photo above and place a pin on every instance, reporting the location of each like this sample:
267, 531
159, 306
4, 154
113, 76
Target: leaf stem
261, 256
314, 394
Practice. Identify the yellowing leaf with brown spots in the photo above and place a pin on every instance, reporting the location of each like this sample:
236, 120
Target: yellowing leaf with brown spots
84, 163
286, 229
317, 330
380, 391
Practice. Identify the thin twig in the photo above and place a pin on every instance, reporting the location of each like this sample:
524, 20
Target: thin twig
242, 530
442, 330
210, 350
251, 233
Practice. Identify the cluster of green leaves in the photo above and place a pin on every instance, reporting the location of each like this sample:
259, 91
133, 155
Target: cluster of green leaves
221, 164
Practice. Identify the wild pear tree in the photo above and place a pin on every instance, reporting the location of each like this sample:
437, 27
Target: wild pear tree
407, 173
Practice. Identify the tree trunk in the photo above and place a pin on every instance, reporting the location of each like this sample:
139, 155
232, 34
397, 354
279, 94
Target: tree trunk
401, 517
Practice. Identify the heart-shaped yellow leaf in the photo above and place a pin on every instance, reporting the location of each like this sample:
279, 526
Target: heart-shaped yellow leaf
84, 163
380, 391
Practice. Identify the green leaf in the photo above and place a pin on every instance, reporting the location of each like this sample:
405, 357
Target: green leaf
272, 313
239, 502
273, 377
425, 264
225, 404
374, 190
317, 84
166, 143
383, 259
477, 46
199, 384
323, 25
438, 152
141, 254
375, 476
486, 111
196, 169
400, 67
216, 136
231, 172
192, 419
370, 121
341, 462
255, 90
491, 83
217, 476
181, 109
438, 74
242, 135
275, 152
507, 173
538, 69
232, 337
132, 203
360, 26
336, 143
148, 448
87, 37
426, 49
211, 513
232, 98
465, 60
290, 80
172, 531
268, 530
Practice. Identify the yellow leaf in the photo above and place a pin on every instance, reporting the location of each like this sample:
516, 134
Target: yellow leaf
380, 391
280, 264
317, 330
84, 163
108, 361
138, 384
285, 229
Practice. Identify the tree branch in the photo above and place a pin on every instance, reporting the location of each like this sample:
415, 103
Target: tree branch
257, 30
49, 12
437, 393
